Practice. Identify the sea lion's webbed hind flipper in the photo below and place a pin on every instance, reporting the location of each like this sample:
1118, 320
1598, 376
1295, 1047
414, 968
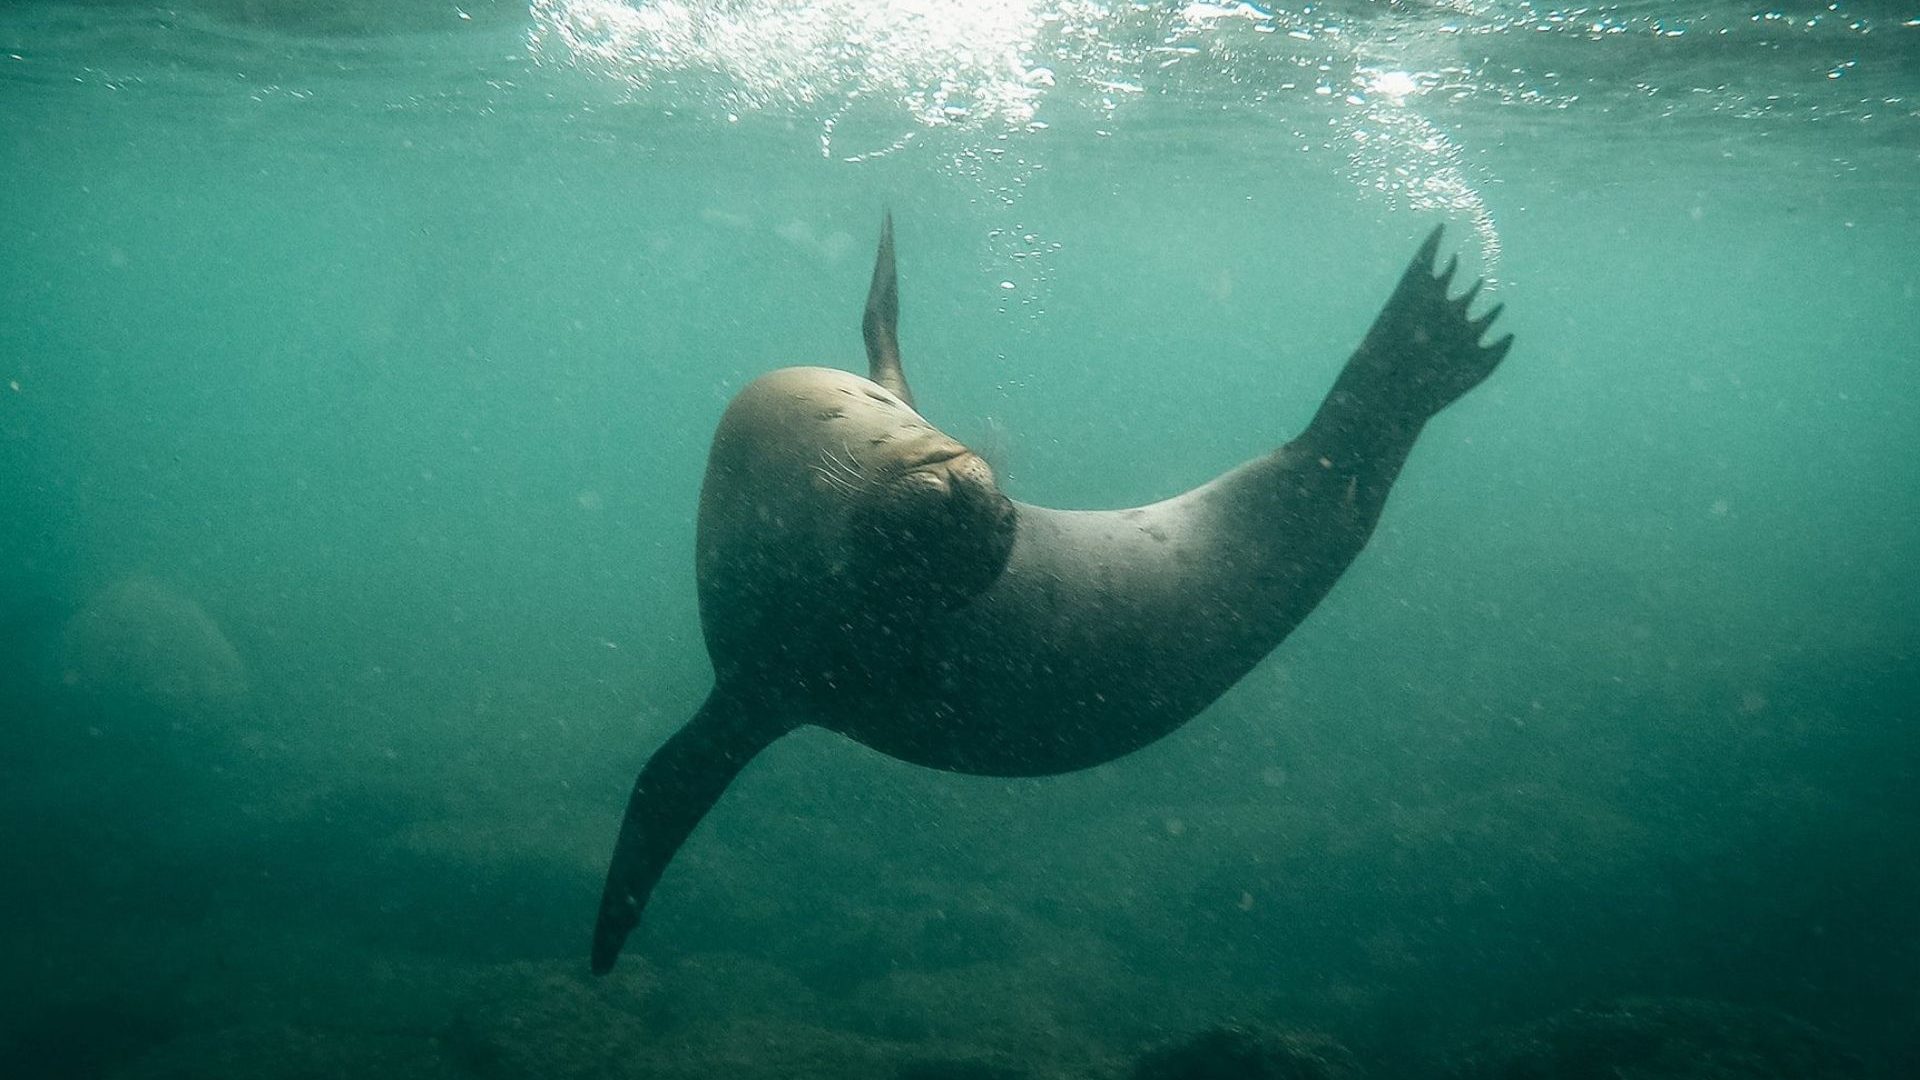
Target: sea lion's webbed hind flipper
679, 784
1421, 354
881, 324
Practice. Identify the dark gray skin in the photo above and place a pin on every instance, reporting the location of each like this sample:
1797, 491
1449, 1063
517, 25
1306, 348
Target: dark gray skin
918, 611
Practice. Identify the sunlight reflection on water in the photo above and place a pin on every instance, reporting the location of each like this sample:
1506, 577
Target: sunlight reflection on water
1017, 68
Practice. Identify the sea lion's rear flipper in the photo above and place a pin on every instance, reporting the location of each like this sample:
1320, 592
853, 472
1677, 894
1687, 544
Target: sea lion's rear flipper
679, 784
881, 324
1423, 351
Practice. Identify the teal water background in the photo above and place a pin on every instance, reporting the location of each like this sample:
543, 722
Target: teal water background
387, 340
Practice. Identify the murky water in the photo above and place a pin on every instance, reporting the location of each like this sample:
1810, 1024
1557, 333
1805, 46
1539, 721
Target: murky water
357, 368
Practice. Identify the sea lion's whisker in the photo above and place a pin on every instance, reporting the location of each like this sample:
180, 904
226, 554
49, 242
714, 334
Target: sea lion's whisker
850, 465
843, 475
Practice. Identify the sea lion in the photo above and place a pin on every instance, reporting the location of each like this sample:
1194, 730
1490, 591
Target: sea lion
860, 571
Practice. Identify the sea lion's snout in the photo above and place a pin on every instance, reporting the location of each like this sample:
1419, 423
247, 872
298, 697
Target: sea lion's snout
952, 474
941, 529
981, 526
972, 484
973, 496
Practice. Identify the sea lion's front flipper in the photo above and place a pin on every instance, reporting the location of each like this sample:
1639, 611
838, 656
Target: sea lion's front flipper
679, 784
1423, 351
881, 324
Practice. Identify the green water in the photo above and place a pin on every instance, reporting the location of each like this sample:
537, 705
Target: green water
357, 368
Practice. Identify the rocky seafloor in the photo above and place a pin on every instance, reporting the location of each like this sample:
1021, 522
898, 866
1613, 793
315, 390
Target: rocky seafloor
265, 891
341, 935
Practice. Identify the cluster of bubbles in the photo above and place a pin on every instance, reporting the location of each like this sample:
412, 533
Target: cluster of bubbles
998, 72
938, 63
1406, 96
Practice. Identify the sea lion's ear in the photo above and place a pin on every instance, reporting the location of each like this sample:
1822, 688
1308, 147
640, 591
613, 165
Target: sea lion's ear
881, 325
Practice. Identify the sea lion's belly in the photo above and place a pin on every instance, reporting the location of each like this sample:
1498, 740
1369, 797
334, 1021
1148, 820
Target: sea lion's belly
1107, 631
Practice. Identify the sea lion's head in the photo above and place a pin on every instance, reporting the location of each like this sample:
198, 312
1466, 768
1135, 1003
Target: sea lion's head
828, 497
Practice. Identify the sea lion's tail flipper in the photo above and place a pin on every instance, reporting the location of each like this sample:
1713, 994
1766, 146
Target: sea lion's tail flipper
1424, 351
679, 784
881, 324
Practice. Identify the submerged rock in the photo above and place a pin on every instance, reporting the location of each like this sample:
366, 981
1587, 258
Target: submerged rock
141, 647
291, 1052
1237, 1053
553, 1020
705, 1017
82, 1038
1661, 1039
960, 1069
